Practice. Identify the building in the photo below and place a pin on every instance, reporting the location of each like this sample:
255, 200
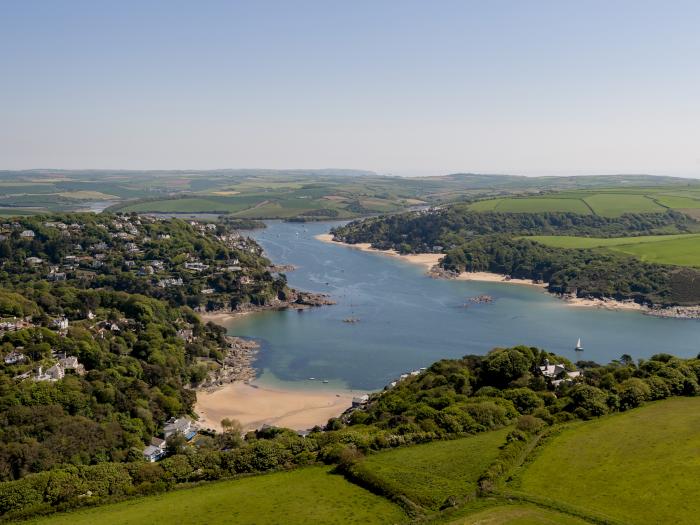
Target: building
27, 234
170, 281
15, 357
54, 373
71, 363
154, 451
555, 371
183, 425
60, 323
196, 266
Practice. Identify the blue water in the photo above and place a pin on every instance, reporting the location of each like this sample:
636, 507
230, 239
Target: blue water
408, 320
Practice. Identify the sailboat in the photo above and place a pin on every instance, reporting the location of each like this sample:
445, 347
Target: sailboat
579, 347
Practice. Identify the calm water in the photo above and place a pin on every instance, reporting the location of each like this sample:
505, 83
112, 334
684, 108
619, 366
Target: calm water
408, 320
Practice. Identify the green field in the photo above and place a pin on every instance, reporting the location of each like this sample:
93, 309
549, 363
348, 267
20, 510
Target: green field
604, 202
532, 204
681, 250
309, 495
516, 514
429, 474
640, 467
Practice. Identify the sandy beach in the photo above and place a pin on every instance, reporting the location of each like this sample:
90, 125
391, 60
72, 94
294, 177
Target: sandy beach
255, 406
429, 260
424, 259
608, 304
496, 278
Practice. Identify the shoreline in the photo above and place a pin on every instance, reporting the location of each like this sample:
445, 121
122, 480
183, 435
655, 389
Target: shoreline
235, 395
254, 406
300, 301
431, 260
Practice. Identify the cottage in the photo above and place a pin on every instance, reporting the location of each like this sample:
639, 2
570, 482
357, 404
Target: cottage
56, 276
71, 363
170, 281
183, 425
153, 454
196, 266
155, 451
60, 323
33, 261
54, 373
15, 357
555, 371
27, 234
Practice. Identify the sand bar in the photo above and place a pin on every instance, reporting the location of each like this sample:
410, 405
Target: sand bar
255, 406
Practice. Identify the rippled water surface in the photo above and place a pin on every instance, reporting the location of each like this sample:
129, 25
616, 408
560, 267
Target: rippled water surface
408, 320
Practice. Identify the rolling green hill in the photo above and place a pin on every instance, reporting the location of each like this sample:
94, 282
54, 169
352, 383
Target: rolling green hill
309, 495
608, 202
639, 467
681, 250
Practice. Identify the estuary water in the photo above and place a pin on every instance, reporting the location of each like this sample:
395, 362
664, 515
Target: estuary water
407, 320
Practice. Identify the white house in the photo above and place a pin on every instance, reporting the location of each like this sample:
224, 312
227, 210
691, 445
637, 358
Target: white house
54, 373
15, 357
154, 451
183, 425
60, 323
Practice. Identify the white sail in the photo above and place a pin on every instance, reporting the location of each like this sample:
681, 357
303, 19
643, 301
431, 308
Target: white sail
578, 344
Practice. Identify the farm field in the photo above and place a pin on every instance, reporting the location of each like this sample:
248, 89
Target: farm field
308, 495
638, 467
532, 204
604, 202
516, 514
681, 250
428, 474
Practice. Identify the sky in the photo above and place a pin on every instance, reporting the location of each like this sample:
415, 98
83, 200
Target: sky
399, 87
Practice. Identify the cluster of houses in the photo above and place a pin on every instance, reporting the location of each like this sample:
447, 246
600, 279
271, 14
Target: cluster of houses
126, 236
405, 376
15, 323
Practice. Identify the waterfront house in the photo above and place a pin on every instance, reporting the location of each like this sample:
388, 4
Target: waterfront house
183, 425
154, 451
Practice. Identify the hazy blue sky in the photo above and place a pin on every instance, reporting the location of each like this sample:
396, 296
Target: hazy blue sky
532, 87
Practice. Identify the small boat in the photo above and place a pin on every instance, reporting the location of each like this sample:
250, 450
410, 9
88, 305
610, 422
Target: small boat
312, 379
579, 347
325, 381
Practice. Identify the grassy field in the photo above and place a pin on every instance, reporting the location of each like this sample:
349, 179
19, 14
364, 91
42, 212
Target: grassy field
429, 474
639, 467
606, 202
309, 495
681, 250
532, 204
515, 514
